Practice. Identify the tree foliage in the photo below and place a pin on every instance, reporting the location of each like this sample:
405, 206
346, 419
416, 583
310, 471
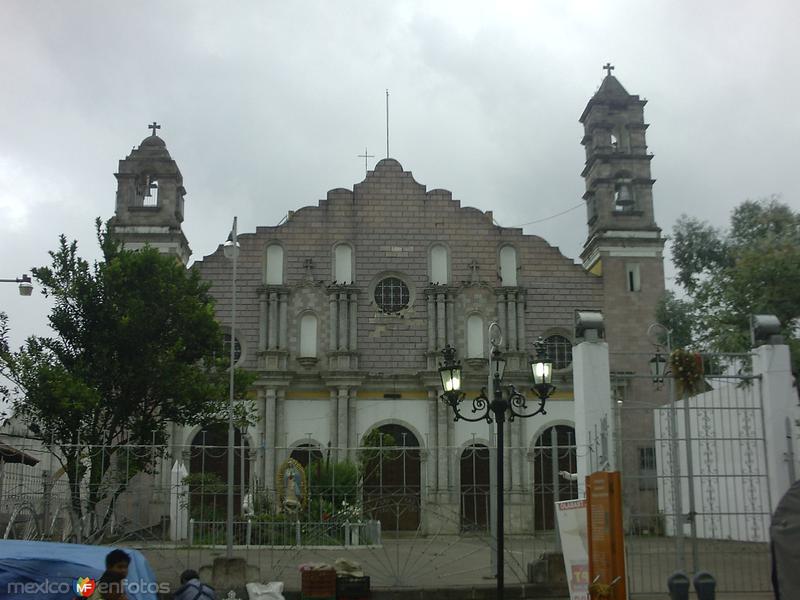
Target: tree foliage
752, 268
134, 347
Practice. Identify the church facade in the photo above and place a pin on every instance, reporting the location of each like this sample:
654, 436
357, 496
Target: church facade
344, 308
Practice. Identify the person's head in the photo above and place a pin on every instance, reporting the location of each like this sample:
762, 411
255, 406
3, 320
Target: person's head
188, 575
117, 561
111, 585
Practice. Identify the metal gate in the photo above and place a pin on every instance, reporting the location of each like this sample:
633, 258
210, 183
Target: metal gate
695, 484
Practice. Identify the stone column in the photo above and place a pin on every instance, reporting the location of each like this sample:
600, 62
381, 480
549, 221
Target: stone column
270, 441
431, 323
272, 328
283, 343
433, 445
441, 440
280, 426
333, 322
518, 454
333, 415
507, 454
512, 322
521, 322
501, 318
343, 420
353, 321
342, 310
593, 404
352, 433
440, 322
779, 401
262, 322
451, 321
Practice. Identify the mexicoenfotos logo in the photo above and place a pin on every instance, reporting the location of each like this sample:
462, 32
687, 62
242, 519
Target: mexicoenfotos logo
85, 586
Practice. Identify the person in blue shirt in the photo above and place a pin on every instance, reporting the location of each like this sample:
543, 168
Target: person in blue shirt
194, 589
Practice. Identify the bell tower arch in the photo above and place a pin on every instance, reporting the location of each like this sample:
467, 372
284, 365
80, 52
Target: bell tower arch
150, 199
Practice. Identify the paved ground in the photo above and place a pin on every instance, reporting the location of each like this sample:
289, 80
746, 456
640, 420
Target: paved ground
450, 562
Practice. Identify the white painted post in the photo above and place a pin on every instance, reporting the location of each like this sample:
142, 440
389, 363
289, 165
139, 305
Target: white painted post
779, 399
178, 503
593, 403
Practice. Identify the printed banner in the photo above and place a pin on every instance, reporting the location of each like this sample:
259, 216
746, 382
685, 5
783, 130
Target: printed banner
574, 543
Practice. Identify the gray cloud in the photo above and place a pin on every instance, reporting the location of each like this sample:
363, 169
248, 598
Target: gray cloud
265, 106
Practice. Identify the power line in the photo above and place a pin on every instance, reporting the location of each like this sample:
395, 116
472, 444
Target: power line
563, 212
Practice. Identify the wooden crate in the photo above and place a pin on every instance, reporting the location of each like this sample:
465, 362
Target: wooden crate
352, 588
318, 584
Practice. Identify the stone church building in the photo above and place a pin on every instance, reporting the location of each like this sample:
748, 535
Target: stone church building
343, 310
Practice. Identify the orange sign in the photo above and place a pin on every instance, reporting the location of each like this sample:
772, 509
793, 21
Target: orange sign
606, 538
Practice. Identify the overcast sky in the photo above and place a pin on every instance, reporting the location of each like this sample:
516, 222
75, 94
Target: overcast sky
266, 105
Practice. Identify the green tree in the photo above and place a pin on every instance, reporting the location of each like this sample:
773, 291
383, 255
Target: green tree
135, 346
753, 267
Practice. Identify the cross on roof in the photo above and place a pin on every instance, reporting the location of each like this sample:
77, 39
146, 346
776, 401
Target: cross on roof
154, 126
365, 156
608, 67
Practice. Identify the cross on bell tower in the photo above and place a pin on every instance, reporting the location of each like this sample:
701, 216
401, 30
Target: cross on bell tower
154, 126
608, 67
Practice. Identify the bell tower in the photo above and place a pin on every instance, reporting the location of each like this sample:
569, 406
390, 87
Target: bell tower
624, 244
149, 208
619, 187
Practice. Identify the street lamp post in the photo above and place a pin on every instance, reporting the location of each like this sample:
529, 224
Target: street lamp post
25, 285
505, 404
231, 251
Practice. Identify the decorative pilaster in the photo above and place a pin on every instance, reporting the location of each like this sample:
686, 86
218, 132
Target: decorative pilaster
262, 322
342, 301
501, 317
333, 418
432, 442
441, 335
333, 323
283, 326
431, 321
352, 299
511, 325
521, 338
343, 422
272, 325
450, 316
270, 438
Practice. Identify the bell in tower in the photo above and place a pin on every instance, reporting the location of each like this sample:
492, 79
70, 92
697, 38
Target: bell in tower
149, 208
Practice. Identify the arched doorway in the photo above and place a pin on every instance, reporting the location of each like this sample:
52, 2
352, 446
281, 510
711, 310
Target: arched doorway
475, 488
391, 462
208, 472
553, 451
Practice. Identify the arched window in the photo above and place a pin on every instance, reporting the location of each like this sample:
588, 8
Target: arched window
475, 488
623, 196
306, 454
439, 264
151, 192
475, 336
554, 452
343, 264
508, 266
614, 142
308, 336
559, 349
274, 268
